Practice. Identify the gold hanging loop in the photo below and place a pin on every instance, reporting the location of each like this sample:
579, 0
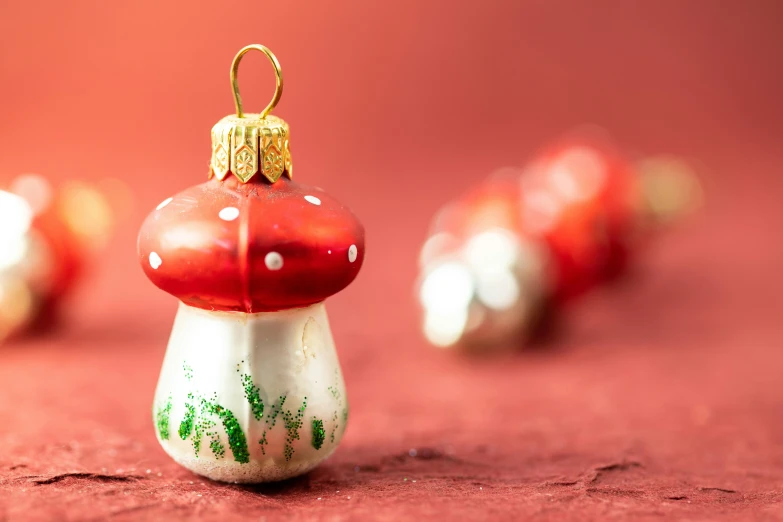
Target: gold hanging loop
235, 85
246, 145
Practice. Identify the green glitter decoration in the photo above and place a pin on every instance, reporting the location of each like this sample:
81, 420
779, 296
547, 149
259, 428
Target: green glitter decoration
334, 427
200, 424
263, 442
199, 414
186, 426
197, 434
335, 391
274, 411
162, 420
236, 437
271, 420
216, 446
339, 398
292, 424
319, 433
335, 388
197, 423
252, 394
202, 427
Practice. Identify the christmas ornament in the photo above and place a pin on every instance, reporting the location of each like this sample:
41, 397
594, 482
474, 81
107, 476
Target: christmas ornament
523, 242
594, 209
580, 199
48, 238
483, 278
251, 388
17, 301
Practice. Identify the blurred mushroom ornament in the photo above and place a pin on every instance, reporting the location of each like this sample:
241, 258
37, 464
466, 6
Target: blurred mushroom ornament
48, 237
251, 388
526, 241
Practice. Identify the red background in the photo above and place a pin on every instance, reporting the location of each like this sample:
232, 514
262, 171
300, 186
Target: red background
656, 392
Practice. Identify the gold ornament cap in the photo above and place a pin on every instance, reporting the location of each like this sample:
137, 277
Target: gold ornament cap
246, 144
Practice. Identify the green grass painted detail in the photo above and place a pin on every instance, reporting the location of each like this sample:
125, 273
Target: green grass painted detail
319, 433
186, 426
253, 396
236, 437
293, 421
271, 420
200, 412
217, 447
162, 420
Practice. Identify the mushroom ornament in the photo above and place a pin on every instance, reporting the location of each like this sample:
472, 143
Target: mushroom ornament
508, 255
483, 278
49, 235
251, 389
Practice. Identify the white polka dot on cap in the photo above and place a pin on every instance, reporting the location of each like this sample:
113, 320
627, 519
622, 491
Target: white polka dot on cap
229, 214
155, 260
273, 261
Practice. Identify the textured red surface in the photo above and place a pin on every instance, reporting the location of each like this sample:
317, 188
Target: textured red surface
659, 398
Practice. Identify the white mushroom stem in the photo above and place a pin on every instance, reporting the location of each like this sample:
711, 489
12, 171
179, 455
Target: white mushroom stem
250, 397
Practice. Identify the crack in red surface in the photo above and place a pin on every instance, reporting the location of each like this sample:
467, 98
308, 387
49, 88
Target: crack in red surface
87, 476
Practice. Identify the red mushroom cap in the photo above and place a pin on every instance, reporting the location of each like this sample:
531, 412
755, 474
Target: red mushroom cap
254, 247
